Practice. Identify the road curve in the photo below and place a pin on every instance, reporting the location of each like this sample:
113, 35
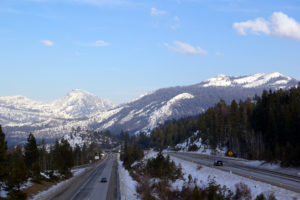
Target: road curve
287, 181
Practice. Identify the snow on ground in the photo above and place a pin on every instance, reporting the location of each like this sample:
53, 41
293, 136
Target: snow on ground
206, 150
45, 175
269, 166
149, 154
165, 111
203, 148
52, 189
225, 178
250, 81
27, 184
3, 192
127, 184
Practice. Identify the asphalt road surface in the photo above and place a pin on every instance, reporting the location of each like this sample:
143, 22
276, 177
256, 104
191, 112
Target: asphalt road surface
287, 181
90, 187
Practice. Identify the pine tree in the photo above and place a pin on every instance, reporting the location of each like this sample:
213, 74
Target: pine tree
63, 157
3, 158
31, 151
18, 174
32, 157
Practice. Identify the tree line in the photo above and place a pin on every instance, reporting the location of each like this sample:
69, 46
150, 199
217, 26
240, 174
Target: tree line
21, 163
266, 127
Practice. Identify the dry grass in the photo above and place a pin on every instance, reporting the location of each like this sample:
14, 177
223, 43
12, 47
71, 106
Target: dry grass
38, 187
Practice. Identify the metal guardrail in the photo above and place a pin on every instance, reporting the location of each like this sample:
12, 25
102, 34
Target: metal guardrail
118, 182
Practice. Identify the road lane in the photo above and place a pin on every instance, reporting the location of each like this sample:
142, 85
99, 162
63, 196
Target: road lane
93, 188
286, 181
113, 190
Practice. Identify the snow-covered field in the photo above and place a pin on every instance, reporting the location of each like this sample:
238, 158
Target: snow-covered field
127, 184
54, 188
229, 180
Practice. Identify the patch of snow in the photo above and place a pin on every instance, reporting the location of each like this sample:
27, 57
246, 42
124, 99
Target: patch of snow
229, 180
43, 194
220, 80
127, 184
280, 82
109, 124
27, 184
202, 148
45, 175
100, 116
128, 117
162, 113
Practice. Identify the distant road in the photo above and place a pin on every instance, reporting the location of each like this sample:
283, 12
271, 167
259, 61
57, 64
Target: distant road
90, 187
287, 181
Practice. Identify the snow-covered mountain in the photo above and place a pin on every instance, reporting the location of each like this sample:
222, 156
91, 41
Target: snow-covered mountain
22, 111
20, 115
79, 103
273, 80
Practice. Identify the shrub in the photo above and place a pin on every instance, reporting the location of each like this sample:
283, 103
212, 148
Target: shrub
271, 196
242, 192
260, 197
144, 188
193, 147
161, 167
17, 194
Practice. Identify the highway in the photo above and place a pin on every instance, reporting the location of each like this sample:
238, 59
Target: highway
287, 181
90, 187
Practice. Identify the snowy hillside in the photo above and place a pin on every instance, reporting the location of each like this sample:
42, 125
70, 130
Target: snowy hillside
82, 137
274, 80
20, 115
17, 110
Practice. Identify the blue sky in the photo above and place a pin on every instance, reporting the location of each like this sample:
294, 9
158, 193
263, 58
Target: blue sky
119, 49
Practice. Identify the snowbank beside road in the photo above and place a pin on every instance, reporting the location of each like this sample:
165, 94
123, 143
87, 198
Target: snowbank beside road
54, 188
229, 180
127, 184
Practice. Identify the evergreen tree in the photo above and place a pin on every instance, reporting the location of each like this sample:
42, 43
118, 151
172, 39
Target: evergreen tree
3, 158
31, 151
31, 158
63, 157
18, 174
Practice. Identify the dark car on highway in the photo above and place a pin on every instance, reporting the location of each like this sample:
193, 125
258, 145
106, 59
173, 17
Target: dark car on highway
218, 163
103, 180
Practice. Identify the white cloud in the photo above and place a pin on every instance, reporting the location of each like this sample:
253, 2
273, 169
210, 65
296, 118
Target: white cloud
185, 48
254, 26
284, 26
219, 53
279, 25
47, 43
100, 43
156, 12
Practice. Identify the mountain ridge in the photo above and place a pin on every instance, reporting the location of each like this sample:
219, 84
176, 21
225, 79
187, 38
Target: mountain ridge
144, 112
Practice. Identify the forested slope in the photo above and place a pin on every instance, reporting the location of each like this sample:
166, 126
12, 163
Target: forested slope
266, 127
